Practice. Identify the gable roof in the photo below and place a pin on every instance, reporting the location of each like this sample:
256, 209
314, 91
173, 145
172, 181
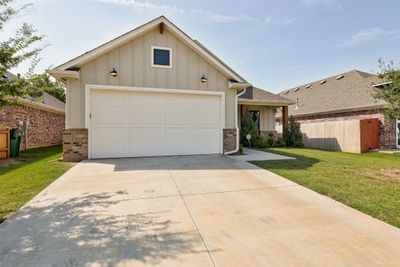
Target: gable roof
353, 90
104, 48
258, 95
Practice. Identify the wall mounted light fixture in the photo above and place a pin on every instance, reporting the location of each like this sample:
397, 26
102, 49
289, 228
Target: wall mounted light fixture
114, 73
203, 79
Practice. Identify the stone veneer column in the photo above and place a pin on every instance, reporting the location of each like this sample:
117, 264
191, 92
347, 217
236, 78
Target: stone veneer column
229, 140
75, 144
388, 134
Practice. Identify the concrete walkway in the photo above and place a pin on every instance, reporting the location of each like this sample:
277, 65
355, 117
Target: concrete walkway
189, 211
257, 155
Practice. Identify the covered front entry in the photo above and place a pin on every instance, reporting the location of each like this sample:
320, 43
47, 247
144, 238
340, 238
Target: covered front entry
144, 122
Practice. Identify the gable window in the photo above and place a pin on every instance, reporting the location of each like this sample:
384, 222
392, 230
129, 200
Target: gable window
161, 57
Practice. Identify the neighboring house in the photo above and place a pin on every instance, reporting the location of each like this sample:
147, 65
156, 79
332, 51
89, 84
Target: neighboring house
326, 108
46, 117
153, 91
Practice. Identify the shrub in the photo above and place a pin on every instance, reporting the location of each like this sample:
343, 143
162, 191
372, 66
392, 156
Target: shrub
249, 126
262, 142
280, 142
293, 136
270, 142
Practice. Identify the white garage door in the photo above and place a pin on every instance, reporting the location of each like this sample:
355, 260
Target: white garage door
133, 124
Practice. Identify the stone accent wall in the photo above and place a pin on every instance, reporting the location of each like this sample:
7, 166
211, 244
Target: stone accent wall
269, 134
387, 129
45, 129
229, 140
388, 135
75, 145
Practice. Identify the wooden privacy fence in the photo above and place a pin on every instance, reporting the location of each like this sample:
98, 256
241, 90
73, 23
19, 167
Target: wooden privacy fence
4, 143
357, 136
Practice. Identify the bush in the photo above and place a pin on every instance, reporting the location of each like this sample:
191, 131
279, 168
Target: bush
280, 142
293, 136
249, 126
262, 142
270, 142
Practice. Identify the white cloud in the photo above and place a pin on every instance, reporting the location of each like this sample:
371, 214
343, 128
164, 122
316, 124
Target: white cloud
289, 21
267, 20
326, 3
370, 35
221, 18
150, 7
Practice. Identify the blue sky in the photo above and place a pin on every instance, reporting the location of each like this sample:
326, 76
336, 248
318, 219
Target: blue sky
274, 44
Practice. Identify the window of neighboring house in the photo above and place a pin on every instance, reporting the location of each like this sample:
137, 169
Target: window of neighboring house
255, 114
161, 57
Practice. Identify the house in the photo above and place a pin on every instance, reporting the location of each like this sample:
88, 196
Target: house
153, 91
45, 115
330, 111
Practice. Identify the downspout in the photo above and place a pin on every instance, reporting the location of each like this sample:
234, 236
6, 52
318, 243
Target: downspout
237, 123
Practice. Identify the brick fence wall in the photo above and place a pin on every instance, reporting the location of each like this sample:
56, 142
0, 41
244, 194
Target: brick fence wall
387, 129
45, 126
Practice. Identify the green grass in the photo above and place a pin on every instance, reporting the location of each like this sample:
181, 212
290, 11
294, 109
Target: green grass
21, 182
367, 182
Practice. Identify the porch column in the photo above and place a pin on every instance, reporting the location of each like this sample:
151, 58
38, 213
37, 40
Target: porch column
285, 119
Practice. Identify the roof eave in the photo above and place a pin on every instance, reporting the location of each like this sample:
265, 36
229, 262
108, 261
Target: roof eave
265, 102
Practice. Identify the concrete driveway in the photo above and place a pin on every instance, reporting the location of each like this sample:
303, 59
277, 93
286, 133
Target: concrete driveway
189, 211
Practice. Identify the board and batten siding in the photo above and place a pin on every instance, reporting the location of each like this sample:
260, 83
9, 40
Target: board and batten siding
267, 116
132, 60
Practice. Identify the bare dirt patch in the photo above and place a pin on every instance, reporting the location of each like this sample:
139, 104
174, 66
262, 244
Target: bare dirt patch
8, 162
385, 174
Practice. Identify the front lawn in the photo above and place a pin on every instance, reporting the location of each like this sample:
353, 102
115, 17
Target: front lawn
368, 182
33, 170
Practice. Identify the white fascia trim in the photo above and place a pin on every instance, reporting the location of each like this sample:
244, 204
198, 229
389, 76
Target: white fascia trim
236, 124
380, 84
161, 48
264, 103
142, 29
67, 74
233, 85
90, 87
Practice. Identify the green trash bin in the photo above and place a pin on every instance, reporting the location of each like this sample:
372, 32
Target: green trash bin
15, 142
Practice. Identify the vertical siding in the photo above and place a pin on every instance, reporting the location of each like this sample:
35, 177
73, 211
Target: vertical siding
132, 60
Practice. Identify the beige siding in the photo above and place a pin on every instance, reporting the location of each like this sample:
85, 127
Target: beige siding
267, 117
132, 61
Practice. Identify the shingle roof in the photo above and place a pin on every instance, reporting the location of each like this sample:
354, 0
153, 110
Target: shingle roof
346, 91
257, 94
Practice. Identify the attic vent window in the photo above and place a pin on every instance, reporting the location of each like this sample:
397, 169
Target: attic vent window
161, 57
322, 82
339, 77
308, 86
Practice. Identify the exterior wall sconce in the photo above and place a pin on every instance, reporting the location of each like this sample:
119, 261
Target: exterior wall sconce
203, 79
114, 73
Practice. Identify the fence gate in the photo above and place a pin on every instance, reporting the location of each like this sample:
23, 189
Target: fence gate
4, 143
369, 134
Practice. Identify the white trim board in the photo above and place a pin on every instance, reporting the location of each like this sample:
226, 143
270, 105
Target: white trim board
90, 87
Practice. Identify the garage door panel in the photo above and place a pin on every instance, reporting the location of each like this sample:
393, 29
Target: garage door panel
154, 124
109, 134
206, 146
206, 117
146, 116
178, 116
109, 115
107, 98
206, 133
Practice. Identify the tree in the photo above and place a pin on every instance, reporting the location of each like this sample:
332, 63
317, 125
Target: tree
390, 92
249, 126
293, 136
13, 52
